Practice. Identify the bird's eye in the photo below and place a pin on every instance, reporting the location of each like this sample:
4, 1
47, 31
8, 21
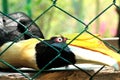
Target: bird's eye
59, 39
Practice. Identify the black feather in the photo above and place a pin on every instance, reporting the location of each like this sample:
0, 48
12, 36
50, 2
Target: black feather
44, 54
9, 29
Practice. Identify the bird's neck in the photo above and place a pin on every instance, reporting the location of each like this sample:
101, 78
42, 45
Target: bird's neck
19, 55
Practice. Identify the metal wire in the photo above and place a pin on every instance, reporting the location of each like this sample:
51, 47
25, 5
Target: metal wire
58, 52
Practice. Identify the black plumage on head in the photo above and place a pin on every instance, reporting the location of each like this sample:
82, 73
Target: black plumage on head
45, 53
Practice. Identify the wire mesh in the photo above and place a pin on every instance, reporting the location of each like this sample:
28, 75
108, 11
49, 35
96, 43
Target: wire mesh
91, 76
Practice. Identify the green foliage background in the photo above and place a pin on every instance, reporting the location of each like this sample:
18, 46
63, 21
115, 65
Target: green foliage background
56, 22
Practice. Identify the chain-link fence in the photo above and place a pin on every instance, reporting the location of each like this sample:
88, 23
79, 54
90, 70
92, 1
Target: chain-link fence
27, 32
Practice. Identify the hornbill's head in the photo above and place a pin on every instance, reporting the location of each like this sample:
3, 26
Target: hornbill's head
53, 52
58, 53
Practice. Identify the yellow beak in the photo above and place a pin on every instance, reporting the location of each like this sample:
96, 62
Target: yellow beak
89, 49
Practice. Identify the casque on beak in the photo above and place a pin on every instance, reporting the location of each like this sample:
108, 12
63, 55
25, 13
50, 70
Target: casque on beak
88, 49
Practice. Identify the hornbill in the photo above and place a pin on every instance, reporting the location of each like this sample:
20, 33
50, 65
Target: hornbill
34, 53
